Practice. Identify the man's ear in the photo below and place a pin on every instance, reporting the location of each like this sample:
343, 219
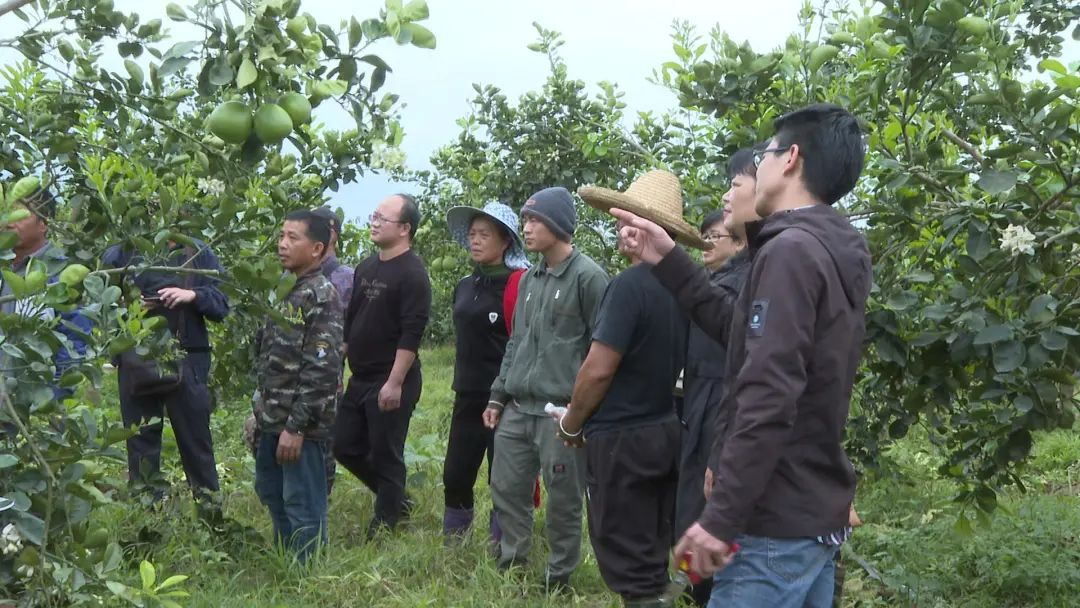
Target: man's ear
793, 160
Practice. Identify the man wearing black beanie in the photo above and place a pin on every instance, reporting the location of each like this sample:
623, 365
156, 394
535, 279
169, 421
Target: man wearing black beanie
553, 324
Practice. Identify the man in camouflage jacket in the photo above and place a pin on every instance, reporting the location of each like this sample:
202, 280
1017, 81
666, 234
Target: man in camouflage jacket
299, 366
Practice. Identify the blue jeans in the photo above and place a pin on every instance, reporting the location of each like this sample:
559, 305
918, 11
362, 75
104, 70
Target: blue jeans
776, 572
295, 494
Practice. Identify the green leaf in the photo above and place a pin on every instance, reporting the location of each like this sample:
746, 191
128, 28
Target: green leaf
978, 243
247, 74
1053, 65
135, 72
1041, 309
221, 73
901, 300
356, 32
1008, 356
421, 36
376, 61
172, 581
1023, 403
963, 525
174, 12
146, 572
1052, 340
996, 182
993, 334
393, 5
416, 10
8, 460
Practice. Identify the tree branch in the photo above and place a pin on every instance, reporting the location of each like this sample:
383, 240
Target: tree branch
970, 149
12, 5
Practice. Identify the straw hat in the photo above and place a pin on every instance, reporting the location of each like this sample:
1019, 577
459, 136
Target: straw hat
655, 196
458, 219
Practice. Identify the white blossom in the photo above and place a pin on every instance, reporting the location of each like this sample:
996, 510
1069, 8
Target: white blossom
387, 157
10, 540
1017, 239
211, 186
25, 571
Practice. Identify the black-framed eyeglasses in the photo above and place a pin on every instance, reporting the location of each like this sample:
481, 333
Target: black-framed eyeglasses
712, 237
377, 218
759, 155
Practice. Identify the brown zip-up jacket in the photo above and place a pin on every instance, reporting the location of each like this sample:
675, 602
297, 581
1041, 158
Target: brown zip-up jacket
794, 345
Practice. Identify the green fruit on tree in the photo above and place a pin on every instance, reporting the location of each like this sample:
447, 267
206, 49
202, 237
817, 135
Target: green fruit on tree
297, 106
842, 38
973, 26
272, 123
28, 557
952, 9
97, 539
231, 121
296, 26
820, 55
35, 281
73, 275
23, 188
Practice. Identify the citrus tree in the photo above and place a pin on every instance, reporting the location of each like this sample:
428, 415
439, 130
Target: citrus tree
148, 140
970, 201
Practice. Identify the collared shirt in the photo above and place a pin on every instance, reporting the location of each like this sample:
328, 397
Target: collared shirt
553, 324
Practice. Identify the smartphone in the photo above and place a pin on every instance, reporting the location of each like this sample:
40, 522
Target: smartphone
151, 298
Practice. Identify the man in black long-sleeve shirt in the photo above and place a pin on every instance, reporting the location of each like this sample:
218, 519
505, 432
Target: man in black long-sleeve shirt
385, 320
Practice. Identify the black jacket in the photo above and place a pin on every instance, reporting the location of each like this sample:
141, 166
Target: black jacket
481, 331
794, 345
210, 302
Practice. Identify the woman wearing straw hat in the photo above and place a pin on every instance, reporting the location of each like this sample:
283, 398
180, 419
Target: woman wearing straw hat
483, 309
622, 411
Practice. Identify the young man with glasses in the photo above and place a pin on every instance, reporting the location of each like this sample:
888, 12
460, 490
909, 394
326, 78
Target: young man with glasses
783, 485
384, 323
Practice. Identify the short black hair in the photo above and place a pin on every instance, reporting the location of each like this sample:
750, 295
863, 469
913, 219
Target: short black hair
41, 203
317, 228
742, 163
711, 219
410, 212
830, 144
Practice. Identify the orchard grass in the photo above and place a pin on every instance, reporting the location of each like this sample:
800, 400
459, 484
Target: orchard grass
1027, 555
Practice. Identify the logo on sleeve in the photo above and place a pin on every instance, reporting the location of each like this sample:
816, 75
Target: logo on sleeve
492, 317
320, 349
759, 313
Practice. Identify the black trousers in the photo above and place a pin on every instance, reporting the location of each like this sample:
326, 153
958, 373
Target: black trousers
188, 410
371, 444
469, 441
632, 477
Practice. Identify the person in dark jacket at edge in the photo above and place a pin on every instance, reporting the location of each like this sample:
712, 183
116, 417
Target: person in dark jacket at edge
483, 316
621, 411
783, 486
703, 383
187, 302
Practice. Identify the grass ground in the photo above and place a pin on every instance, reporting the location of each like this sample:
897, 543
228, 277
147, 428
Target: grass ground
1028, 556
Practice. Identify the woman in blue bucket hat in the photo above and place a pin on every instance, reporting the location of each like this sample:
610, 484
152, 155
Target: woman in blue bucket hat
483, 310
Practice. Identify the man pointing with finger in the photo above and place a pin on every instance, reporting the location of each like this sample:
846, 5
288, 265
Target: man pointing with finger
782, 483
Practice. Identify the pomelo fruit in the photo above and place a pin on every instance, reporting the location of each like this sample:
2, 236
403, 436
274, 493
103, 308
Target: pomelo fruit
231, 121
73, 275
297, 106
272, 123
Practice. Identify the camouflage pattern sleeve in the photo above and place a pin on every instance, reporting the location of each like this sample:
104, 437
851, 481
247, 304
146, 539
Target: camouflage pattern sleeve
320, 360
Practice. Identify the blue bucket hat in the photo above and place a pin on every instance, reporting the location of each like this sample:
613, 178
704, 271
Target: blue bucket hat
458, 219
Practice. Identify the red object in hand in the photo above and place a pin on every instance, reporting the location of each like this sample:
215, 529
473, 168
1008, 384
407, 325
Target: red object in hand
684, 564
536, 494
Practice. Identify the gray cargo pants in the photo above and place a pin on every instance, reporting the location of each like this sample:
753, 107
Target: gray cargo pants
524, 445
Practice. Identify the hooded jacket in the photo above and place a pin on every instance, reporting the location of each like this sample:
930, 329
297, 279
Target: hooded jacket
795, 342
